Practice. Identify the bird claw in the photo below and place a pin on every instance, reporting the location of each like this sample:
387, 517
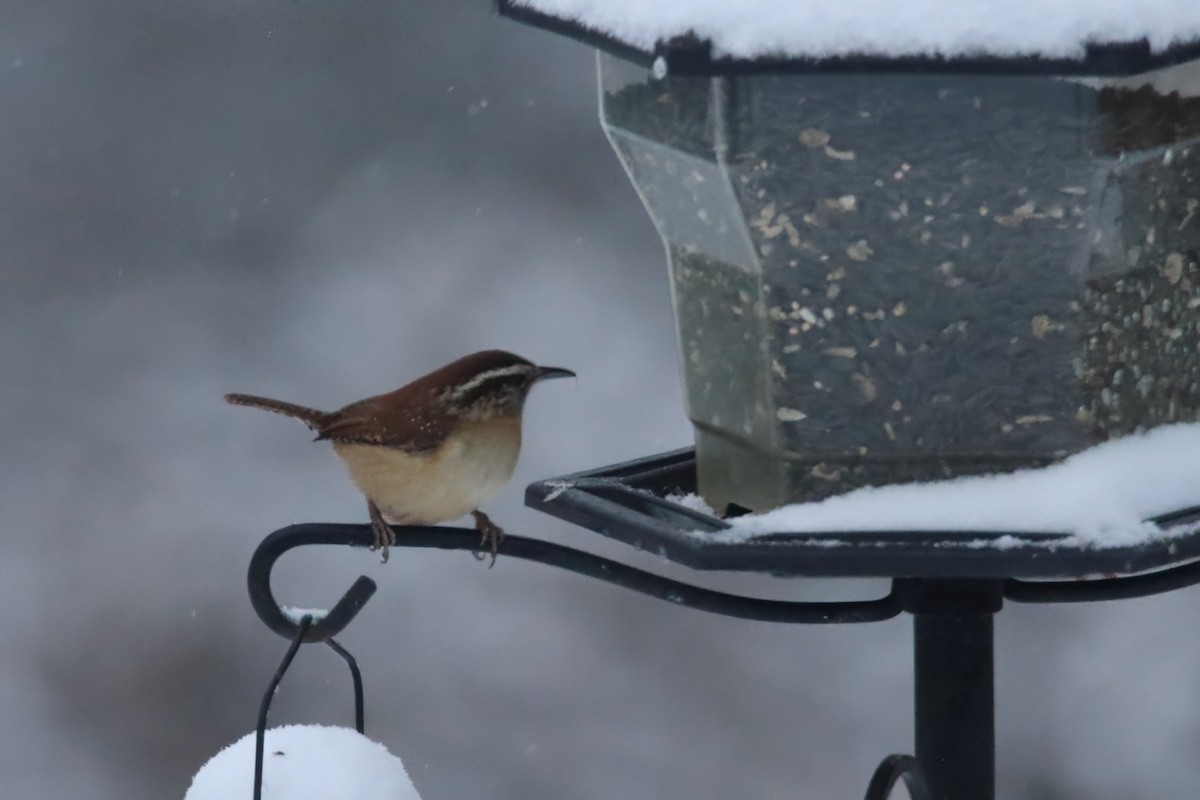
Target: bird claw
491, 535
385, 537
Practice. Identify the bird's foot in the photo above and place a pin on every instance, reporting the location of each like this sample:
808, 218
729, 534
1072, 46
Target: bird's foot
491, 536
385, 537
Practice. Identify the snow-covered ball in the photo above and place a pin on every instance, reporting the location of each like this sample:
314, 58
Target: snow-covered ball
306, 762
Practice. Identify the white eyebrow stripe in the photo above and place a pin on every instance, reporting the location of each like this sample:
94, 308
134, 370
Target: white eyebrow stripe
484, 377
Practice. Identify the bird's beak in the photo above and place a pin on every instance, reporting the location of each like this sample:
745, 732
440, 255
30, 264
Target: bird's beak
553, 372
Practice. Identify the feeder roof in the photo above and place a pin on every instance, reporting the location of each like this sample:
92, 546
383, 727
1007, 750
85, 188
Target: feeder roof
1102, 37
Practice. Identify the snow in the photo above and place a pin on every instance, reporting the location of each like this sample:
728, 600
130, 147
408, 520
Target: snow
557, 487
693, 502
1103, 496
294, 614
753, 28
305, 762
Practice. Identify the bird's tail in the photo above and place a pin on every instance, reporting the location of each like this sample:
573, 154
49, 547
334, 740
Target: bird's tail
309, 416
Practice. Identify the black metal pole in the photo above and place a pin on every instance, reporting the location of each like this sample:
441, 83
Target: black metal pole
954, 685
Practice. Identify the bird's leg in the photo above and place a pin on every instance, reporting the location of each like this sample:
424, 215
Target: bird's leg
385, 537
492, 535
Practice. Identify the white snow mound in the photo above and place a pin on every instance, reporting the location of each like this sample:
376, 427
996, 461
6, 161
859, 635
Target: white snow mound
305, 762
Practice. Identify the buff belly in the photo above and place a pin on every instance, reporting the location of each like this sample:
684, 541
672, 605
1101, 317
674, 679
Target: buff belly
439, 486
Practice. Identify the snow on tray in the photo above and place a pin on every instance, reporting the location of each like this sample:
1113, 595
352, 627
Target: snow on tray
305, 762
1103, 496
692, 502
753, 28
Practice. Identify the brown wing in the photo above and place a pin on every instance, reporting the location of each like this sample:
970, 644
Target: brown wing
419, 427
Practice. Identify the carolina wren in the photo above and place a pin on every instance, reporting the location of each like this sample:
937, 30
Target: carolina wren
433, 450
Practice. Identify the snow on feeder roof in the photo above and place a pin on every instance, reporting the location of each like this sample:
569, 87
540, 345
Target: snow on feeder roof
702, 36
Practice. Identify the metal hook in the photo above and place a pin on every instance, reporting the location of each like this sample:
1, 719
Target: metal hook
356, 678
260, 730
264, 706
895, 768
549, 553
258, 580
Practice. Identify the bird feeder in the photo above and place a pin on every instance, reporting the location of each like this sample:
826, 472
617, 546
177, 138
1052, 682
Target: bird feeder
909, 268
889, 266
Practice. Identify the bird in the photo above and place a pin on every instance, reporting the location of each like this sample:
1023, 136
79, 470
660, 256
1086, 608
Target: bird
433, 450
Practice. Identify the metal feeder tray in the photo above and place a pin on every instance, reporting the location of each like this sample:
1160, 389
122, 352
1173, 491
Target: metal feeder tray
627, 502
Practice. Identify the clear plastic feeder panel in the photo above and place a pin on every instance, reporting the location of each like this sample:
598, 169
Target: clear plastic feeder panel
890, 277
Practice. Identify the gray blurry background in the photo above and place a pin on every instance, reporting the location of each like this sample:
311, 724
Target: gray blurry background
320, 201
